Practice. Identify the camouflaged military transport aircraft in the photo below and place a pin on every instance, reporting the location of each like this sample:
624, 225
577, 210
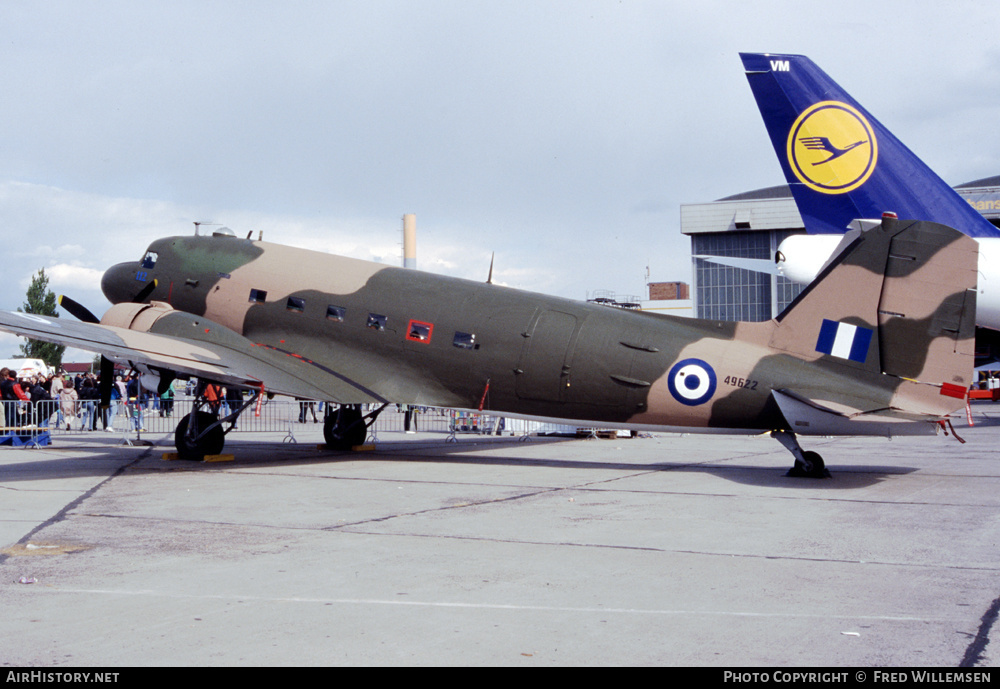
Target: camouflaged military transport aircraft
880, 344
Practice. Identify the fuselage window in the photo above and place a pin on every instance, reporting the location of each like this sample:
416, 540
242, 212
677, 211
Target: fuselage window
377, 321
149, 260
296, 304
335, 313
417, 331
465, 341
258, 296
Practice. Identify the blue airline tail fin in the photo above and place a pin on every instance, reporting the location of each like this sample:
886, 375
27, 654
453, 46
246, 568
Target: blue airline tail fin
840, 162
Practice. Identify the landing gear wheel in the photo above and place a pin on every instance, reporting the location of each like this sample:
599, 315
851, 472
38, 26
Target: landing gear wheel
209, 444
344, 428
813, 467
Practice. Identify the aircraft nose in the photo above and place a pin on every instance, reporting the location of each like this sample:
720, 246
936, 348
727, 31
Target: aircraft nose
119, 283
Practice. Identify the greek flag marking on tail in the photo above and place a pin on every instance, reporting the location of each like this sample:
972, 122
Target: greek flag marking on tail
844, 340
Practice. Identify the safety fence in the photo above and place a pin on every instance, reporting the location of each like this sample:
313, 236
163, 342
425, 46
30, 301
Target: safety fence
30, 423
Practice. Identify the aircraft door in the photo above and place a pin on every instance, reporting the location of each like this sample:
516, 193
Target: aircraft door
600, 361
543, 371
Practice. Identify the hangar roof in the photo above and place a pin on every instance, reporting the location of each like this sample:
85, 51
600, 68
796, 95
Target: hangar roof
773, 208
984, 182
782, 190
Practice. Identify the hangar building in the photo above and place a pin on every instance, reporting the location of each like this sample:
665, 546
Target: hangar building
752, 225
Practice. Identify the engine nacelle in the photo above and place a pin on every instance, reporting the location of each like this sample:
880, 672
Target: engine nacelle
139, 317
988, 301
801, 256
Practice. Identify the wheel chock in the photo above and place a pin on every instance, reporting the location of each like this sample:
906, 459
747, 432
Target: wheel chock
354, 448
170, 456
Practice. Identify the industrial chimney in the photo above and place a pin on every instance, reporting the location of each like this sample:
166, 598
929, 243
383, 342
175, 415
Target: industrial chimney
409, 241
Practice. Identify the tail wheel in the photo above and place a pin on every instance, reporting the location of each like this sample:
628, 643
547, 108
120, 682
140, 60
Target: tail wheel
813, 467
208, 444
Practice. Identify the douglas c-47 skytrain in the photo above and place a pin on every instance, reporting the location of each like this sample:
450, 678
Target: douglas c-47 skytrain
881, 343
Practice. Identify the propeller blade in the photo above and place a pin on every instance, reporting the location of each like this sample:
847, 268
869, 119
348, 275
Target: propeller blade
107, 380
166, 380
144, 292
78, 310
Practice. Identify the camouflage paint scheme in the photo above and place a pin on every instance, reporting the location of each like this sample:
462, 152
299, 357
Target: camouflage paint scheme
912, 284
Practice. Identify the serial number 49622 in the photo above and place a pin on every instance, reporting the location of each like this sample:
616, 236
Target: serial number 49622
740, 382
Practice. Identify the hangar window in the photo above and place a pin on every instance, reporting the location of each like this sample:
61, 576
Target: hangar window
377, 321
465, 341
149, 260
296, 304
335, 313
418, 331
258, 296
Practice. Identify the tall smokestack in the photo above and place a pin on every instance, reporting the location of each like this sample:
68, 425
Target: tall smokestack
409, 241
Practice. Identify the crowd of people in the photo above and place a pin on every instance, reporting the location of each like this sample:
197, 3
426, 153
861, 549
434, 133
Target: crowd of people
76, 401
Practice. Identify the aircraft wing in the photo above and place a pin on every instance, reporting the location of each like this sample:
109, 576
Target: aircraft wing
211, 351
757, 265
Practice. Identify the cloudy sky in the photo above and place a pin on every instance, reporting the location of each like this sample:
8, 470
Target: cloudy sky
561, 135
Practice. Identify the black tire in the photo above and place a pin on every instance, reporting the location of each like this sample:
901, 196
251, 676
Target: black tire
344, 428
814, 466
209, 444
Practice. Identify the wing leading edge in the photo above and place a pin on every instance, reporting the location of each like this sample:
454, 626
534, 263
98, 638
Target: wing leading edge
211, 351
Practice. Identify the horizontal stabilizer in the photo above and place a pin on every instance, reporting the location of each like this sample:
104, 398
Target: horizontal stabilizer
808, 417
757, 265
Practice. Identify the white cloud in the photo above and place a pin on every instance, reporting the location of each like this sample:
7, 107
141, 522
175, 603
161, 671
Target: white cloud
64, 277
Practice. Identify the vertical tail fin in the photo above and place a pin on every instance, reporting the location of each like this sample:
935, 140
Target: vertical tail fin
840, 162
899, 300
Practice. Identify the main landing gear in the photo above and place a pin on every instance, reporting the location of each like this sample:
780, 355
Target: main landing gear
198, 434
347, 426
201, 432
807, 464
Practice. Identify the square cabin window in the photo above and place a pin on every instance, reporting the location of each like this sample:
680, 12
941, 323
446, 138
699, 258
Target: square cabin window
377, 321
336, 313
258, 296
465, 341
418, 331
296, 304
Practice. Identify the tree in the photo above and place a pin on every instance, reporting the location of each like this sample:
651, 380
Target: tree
41, 301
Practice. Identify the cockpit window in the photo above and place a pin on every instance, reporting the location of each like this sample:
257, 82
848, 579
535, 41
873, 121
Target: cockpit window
149, 260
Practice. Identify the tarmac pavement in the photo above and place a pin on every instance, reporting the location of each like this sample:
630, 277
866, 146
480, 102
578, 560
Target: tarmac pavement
662, 550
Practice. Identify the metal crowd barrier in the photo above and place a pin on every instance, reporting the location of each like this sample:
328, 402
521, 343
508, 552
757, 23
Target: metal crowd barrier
27, 423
